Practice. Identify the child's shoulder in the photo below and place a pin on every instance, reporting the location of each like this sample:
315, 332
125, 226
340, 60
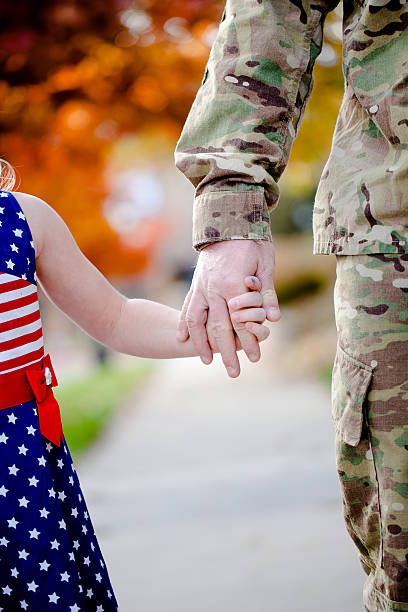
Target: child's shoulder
46, 225
37, 213
29, 201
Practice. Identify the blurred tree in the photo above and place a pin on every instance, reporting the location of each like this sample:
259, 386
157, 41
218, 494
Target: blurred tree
75, 76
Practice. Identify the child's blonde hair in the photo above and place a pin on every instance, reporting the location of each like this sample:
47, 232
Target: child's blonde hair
7, 175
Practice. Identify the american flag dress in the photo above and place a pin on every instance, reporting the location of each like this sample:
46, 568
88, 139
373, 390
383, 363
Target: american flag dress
49, 554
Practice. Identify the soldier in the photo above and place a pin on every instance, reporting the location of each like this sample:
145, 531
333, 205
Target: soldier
234, 146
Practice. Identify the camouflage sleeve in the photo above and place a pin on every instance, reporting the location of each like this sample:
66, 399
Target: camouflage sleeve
238, 135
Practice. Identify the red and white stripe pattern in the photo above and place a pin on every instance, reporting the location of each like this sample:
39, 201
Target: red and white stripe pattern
21, 339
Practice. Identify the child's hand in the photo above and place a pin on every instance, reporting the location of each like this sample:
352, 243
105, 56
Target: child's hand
247, 312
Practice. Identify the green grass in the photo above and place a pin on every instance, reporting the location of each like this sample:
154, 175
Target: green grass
88, 403
300, 287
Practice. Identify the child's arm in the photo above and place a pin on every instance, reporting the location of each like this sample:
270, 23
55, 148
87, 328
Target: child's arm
132, 326
153, 327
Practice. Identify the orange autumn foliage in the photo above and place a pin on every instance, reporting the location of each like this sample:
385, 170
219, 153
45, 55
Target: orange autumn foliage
77, 76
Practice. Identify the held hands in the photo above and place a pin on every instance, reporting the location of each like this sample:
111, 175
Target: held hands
247, 313
218, 278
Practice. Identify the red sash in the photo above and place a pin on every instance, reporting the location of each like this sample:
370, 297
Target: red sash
35, 382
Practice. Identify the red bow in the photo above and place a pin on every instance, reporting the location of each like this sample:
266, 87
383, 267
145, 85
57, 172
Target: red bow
41, 381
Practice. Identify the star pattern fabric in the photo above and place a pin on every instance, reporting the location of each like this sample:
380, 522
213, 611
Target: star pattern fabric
49, 555
17, 255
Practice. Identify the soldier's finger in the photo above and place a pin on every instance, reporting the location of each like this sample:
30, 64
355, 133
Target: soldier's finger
222, 330
270, 300
248, 342
266, 274
182, 328
196, 318
260, 331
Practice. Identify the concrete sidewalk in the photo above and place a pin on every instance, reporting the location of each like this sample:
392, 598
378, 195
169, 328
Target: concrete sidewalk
218, 495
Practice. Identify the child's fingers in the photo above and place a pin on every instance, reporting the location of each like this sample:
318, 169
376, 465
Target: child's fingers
260, 331
246, 300
248, 314
253, 283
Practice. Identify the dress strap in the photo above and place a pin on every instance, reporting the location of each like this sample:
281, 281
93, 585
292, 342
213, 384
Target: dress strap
17, 254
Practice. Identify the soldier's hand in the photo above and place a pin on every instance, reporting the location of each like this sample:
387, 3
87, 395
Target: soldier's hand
218, 277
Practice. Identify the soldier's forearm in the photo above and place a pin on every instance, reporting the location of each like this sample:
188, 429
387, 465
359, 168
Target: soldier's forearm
240, 129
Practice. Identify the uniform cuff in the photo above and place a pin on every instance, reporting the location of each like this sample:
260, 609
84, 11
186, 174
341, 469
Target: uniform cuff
229, 215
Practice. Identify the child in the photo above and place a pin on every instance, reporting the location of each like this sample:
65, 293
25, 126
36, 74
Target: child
49, 555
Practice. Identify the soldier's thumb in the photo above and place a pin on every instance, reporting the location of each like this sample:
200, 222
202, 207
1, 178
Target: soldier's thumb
271, 305
270, 299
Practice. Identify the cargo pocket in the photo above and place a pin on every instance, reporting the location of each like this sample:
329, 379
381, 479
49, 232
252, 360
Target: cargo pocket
356, 467
350, 382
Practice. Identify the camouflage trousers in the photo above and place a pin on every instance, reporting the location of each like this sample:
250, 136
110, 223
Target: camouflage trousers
370, 411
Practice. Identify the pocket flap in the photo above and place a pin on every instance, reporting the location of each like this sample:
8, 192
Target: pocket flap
350, 383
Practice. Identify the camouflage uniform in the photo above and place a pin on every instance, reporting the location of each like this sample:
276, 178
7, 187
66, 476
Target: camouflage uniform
370, 410
237, 138
234, 147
